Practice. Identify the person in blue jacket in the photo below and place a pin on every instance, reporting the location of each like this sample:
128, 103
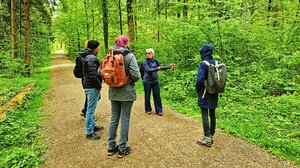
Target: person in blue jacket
206, 101
150, 68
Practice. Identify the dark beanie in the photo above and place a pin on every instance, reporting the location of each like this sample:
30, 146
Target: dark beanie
93, 44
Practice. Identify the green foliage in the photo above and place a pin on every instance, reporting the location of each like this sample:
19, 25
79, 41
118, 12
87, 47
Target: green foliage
21, 142
258, 40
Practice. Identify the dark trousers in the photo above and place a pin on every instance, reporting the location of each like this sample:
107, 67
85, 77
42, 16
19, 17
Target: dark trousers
209, 128
85, 106
156, 96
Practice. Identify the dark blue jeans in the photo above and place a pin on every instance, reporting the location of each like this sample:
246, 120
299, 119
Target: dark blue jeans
156, 96
208, 128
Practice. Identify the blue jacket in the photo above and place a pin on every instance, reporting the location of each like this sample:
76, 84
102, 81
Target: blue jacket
150, 67
209, 101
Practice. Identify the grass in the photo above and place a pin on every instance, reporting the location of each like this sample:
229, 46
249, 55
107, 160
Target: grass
21, 141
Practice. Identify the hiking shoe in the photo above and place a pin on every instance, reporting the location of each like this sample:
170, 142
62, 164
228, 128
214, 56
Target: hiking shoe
93, 136
205, 141
82, 114
121, 154
111, 152
98, 128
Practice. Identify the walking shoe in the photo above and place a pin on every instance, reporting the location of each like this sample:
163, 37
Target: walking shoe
212, 139
98, 128
111, 152
159, 114
121, 154
148, 112
205, 141
93, 136
82, 114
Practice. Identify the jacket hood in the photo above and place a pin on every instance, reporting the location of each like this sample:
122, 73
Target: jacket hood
86, 52
206, 52
120, 50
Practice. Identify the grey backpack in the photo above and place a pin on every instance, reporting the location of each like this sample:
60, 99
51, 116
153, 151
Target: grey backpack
216, 78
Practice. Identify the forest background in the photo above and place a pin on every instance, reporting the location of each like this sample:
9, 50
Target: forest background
259, 40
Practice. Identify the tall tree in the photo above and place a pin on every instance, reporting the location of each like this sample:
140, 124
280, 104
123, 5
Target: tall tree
13, 29
185, 9
87, 19
158, 17
130, 24
27, 37
120, 16
105, 24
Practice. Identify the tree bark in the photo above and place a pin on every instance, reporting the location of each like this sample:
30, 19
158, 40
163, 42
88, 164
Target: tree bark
27, 37
13, 29
185, 9
130, 24
87, 19
105, 24
178, 14
158, 19
120, 15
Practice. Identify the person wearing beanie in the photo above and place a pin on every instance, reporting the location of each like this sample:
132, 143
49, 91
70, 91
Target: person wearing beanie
92, 83
122, 99
206, 101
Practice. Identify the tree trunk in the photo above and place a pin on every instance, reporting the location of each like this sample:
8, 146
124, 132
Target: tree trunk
219, 29
166, 9
158, 19
78, 40
93, 23
13, 29
120, 14
178, 13
87, 19
185, 9
130, 24
105, 24
27, 37
199, 10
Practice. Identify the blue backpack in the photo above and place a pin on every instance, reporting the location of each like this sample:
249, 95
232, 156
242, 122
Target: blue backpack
77, 71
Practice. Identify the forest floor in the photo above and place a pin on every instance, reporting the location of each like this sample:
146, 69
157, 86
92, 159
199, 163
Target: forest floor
166, 141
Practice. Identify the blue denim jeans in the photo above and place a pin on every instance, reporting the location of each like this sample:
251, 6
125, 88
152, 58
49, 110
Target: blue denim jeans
119, 109
209, 128
92, 99
156, 96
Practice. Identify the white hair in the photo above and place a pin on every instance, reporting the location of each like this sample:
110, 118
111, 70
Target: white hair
150, 50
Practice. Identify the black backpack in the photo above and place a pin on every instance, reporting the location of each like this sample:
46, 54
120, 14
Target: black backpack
77, 71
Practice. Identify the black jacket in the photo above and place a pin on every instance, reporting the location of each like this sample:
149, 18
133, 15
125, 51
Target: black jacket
90, 66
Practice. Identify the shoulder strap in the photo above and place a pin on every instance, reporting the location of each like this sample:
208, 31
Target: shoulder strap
206, 62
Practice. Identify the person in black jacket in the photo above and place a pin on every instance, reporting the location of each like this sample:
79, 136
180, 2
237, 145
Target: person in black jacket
151, 66
92, 82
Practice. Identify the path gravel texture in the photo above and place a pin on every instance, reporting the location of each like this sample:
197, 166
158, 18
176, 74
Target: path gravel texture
167, 141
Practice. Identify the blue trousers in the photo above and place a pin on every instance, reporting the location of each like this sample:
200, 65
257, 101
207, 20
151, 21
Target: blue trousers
156, 96
92, 100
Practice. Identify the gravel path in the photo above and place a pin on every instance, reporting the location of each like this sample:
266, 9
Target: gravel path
167, 141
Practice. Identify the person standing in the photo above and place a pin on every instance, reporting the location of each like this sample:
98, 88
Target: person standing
206, 101
92, 82
122, 99
150, 68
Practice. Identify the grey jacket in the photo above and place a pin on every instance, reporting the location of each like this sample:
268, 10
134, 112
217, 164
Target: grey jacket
127, 92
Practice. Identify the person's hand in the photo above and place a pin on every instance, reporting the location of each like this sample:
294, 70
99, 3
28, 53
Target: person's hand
173, 65
159, 68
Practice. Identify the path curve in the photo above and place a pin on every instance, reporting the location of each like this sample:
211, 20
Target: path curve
167, 141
